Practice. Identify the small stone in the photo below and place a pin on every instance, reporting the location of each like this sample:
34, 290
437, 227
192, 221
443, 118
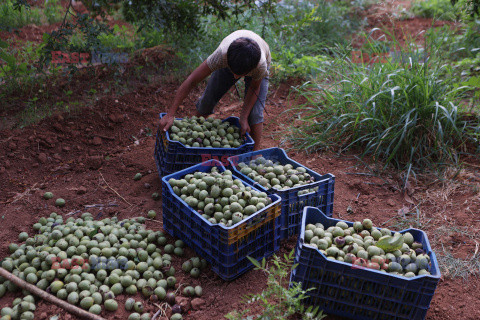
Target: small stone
42, 157
96, 141
58, 127
82, 190
57, 156
183, 302
2, 170
94, 162
198, 304
147, 185
391, 203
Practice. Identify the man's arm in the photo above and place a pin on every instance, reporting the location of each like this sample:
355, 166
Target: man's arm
250, 99
200, 73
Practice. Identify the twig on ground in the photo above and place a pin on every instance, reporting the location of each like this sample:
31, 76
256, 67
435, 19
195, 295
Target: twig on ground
388, 221
19, 196
114, 190
105, 137
97, 205
160, 310
71, 213
157, 314
361, 174
153, 220
100, 205
48, 297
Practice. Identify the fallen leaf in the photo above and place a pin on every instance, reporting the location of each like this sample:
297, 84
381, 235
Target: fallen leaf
409, 189
407, 198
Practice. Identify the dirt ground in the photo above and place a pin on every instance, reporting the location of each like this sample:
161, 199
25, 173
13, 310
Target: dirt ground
90, 155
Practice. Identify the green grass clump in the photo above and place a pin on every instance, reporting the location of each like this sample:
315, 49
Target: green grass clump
438, 9
402, 112
53, 11
11, 18
456, 44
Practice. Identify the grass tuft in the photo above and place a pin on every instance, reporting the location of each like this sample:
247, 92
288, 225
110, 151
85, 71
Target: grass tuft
402, 111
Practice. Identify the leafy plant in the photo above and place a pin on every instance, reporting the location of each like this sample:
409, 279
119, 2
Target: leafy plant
13, 16
467, 7
439, 9
403, 112
17, 65
277, 301
81, 34
298, 33
455, 45
53, 11
180, 16
120, 38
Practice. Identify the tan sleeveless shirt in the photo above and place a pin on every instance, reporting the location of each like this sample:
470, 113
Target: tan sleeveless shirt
218, 59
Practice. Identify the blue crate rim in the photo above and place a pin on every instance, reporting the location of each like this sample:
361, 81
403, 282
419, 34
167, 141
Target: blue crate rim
433, 257
309, 171
218, 164
249, 140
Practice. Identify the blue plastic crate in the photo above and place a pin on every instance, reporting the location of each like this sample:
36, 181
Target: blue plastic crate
358, 293
292, 203
225, 248
172, 156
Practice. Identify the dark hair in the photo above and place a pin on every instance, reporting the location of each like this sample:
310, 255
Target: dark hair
243, 55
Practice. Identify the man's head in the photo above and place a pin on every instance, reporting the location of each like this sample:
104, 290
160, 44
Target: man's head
243, 56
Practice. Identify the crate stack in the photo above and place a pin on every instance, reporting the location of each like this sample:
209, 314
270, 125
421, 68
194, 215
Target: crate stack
336, 287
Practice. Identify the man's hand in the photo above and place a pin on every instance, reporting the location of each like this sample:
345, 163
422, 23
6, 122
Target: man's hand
244, 127
166, 122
